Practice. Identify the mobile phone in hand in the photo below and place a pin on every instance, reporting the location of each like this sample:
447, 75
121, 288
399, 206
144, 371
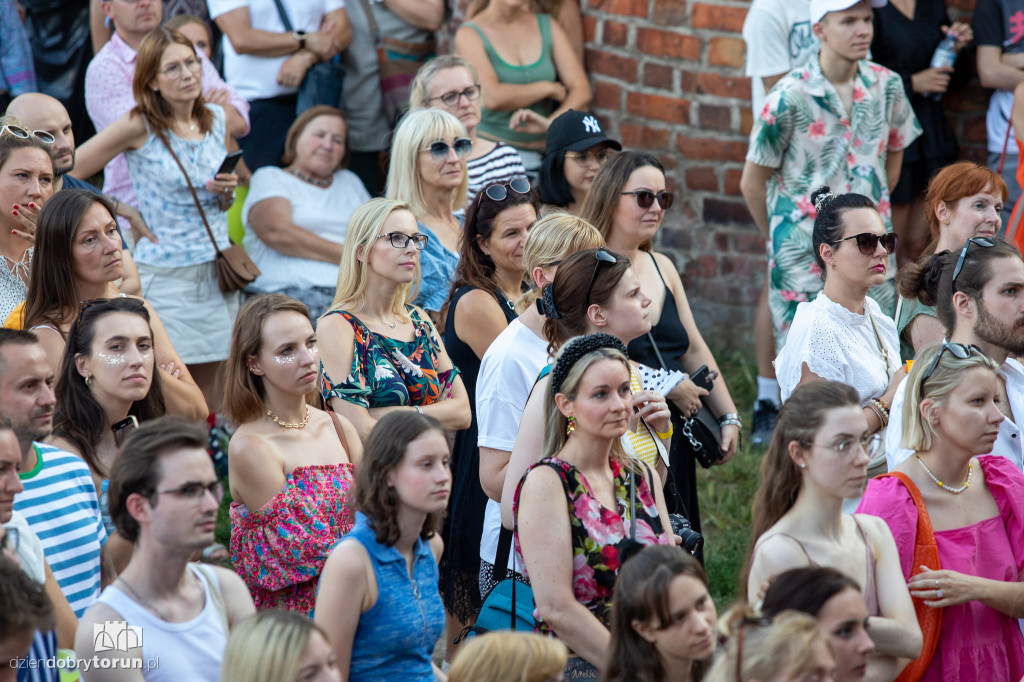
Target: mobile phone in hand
124, 427
702, 377
230, 162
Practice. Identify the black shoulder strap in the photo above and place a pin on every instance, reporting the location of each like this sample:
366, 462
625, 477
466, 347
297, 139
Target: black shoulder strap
284, 16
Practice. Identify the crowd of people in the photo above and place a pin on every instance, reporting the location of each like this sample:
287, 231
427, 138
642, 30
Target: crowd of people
407, 310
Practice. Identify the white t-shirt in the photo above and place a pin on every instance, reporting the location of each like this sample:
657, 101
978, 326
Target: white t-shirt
256, 77
30, 549
779, 39
507, 374
323, 211
1008, 442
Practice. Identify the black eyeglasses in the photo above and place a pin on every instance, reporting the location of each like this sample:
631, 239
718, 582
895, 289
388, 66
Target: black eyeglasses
645, 198
984, 242
18, 131
959, 351
195, 492
498, 192
439, 149
400, 240
601, 256
868, 241
451, 99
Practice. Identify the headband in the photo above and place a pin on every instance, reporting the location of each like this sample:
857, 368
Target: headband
575, 349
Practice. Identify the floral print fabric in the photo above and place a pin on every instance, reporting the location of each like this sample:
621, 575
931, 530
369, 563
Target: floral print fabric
279, 549
386, 372
597, 532
805, 134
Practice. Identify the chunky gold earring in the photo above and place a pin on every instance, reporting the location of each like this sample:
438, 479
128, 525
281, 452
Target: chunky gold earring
833, 265
571, 428
88, 380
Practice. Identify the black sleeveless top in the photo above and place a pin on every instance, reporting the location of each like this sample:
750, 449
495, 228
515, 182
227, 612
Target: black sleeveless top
669, 333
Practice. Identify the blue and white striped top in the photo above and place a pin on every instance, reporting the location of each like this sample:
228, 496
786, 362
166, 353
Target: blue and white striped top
59, 503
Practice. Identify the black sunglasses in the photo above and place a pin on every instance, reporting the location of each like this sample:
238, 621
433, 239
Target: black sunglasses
868, 241
984, 242
960, 351
645, 198
439, 149
498, 192
602, 255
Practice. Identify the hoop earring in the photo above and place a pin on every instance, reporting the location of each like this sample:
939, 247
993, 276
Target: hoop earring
571, 427
88, 380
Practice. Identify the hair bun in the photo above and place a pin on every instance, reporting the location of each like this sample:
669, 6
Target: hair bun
821, 197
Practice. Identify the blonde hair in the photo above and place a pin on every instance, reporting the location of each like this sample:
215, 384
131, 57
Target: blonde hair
363, 229
267, 647
771, 651
550, 240
415, 132
509, 657
421, 84
918, 432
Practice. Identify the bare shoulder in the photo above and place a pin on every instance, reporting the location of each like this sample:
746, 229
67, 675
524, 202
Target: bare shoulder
346, 562
875, 529
777, 552
541, 481
334, 323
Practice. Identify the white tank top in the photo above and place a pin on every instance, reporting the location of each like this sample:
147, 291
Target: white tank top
173, 652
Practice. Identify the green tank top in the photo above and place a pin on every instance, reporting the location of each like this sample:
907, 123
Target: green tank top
906, 311
494, 124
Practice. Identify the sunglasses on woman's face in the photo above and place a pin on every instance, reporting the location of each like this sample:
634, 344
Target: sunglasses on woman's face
645, 198
499, 192
867, 242
439, 149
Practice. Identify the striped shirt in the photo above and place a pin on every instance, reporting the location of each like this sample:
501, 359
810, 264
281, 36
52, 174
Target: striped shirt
501, 164
59, 502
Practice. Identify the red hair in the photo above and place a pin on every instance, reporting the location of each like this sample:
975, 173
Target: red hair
954, 182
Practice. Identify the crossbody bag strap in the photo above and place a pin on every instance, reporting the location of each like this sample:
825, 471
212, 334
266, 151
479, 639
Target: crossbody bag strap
284, 16
371, 20
882, 347
632, 503
195, 198
339, 429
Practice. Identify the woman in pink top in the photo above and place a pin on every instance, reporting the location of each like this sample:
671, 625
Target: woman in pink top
976, 507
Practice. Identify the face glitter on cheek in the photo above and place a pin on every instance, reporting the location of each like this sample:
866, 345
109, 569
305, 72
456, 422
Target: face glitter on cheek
111, 360
285, 359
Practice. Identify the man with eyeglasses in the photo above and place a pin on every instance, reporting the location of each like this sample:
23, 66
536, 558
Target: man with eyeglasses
164, 497
840, 121
985, 310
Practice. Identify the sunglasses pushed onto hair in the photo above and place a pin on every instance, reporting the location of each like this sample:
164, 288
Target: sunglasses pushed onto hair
984, 242
18, 131
499, 191
867, 242
439, 149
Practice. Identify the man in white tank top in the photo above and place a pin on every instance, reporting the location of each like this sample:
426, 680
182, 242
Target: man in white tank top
163, 618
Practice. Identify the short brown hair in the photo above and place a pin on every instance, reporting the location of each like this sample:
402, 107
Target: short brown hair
243, 390
136, 468
384, 451
152, 105
299, 126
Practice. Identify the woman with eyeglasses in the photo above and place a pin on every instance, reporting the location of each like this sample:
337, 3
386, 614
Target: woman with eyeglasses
818, 456
627, 203
963, 200
975, 511
489, 279
428, 172
788, 648
171, 125
107, 383
451, 83
575, 149
843, 335
380, 353
26, 183
290, 466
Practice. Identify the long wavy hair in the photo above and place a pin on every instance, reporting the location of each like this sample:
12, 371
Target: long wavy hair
78, 417
603, 198
151, 104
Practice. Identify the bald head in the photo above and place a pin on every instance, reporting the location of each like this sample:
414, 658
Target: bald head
42, 112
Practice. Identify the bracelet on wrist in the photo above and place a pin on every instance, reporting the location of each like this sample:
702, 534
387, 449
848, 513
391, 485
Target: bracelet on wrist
666, 434
731, 418
731, 422
418, 408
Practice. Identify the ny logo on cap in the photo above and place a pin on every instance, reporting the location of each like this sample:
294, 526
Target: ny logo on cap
591, 125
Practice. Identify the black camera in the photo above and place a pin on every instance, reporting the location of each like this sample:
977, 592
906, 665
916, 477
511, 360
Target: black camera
693, 541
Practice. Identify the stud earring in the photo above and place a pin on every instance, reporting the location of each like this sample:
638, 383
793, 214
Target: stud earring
803, 465
946, 221
833, 264
571, 428
252, 370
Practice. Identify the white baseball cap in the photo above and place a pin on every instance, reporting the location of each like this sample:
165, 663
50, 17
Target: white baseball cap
819, 8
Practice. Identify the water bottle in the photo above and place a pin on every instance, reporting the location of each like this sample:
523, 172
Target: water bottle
945, 55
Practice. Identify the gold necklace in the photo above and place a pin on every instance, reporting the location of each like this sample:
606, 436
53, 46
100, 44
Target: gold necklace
954, 491
301, 425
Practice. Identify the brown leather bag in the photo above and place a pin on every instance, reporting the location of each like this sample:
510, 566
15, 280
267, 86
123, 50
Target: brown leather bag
235, 270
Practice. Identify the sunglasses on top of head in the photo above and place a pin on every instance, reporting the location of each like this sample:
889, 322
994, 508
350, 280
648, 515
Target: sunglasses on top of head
645, 198
868, 241
499, 191
439, 149
18, 131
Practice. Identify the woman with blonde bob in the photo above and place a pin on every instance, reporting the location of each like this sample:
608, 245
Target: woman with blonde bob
278, 646
428, 172
509, 657
788, 648
384, 354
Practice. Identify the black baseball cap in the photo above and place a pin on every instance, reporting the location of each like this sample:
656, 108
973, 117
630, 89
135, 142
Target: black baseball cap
575, 131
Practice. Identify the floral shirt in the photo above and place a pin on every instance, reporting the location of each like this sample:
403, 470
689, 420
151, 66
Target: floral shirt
804, 133
597, 533
386, 372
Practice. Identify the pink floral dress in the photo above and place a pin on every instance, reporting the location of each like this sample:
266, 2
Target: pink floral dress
280, 549
597, 532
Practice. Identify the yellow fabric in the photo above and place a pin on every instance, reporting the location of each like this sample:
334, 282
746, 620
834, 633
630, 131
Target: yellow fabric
16, 320
236, 230
641, 440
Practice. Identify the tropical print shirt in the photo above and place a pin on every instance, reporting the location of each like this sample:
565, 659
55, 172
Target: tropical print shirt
387, 372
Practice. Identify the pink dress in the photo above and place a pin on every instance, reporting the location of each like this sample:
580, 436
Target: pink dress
279, 550
977, 642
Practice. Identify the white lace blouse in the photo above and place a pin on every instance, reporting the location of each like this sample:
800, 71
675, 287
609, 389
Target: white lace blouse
839, 345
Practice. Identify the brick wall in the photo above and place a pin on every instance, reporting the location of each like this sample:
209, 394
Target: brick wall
668, 77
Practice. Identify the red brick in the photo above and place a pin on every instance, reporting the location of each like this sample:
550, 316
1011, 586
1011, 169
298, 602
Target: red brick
701, 179
658, 76
746, 120
635, 136
750, 243
702, 267
718, 17
711, 148
710, 83
674, 237
975, 131
737, 266
732, 182
669, 13
633, 8
589, 28
715, 117
973, 97
623, 68
615, 33
661, 108
667, 44
726, 52
719, 211
607, 95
